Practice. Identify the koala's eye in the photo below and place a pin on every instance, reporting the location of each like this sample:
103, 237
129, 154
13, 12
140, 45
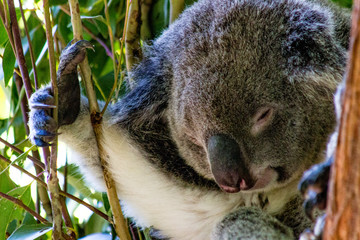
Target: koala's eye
262, 119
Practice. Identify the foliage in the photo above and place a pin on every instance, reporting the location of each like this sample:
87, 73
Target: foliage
15, 222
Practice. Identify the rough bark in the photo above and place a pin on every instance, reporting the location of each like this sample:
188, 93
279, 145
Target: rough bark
343, 208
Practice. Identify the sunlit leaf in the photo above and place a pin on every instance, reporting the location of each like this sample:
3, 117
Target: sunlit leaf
10, 211
29, 232
3, 35
75, 179
95, 224
100, 24
8, 63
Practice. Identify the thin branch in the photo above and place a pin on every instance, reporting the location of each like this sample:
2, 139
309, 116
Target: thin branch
23, 206
19, 50
118, 67
4, 19
53, 181
93, 209
176, 7
145, 30
96, 118
101, 42
38, 180
33, 159
84, 66
42, 192
65, 194
132, 37
32, 58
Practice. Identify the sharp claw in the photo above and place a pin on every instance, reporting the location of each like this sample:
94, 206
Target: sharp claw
40, 143
84, 44
44, 133
310, 203
42, 106
79, 45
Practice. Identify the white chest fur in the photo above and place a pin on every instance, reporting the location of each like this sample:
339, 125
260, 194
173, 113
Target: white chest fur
181, 212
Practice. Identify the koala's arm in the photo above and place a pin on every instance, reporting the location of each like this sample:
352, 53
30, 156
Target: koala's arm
251, 223
42, 125
73, 114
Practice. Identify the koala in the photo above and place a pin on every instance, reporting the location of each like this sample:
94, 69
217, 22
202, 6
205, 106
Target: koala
232, 103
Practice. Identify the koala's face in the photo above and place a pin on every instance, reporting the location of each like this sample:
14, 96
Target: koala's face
247, 109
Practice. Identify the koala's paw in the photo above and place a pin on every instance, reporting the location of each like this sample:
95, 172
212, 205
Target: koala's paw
313, 186
316, 233
41, 123
251, 223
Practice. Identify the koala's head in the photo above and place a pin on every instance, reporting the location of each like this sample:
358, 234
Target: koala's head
251, 98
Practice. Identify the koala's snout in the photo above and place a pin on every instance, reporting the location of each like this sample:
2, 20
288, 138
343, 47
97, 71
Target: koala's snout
227, 164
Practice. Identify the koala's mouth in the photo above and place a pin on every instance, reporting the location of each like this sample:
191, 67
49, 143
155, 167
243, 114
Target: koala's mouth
265, 178
230, 169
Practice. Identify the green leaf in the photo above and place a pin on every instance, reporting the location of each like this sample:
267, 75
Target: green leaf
29, 232
10, 211
159, 17
75, 179
91, 7
6, 184
95, 224
8, 63
20, 158
100, 24
3, 35
106, 201
57, 2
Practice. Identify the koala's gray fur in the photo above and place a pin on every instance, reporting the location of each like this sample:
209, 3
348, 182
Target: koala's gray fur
235, 95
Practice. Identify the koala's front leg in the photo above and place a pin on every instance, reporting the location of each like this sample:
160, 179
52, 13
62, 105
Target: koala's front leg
313, 186
251, 224
41, 123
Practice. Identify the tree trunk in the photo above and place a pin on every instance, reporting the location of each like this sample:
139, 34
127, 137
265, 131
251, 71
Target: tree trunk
343, 208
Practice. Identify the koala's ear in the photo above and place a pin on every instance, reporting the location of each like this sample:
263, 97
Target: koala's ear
149, 99
310, 40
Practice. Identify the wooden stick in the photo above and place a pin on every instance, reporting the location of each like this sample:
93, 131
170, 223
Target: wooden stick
96, 119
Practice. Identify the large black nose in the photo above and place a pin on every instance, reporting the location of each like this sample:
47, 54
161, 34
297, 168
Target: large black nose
227, 164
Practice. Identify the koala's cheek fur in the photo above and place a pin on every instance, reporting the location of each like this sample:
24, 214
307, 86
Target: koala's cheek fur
231, 104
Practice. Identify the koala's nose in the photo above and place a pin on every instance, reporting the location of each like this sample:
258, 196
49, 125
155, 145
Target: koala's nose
227, 164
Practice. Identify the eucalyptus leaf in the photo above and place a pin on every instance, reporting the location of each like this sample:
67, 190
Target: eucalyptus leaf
10, 211
29, 232
8, 63
3, 35
75, 179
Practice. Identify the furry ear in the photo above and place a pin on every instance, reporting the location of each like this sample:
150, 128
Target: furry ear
315, 59
310, 41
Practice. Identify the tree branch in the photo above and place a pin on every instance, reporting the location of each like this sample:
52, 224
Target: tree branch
65, 194
33, 159
176, 7
96, 118
133, 53
19, 50
32, 58
23, 206
53, 181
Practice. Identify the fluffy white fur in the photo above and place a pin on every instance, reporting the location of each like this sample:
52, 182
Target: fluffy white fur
147, 195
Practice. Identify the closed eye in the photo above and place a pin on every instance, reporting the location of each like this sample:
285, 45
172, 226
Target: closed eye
262, 119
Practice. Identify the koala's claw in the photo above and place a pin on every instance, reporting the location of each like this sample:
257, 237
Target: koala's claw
43, 127
313, 186
317, 233
40, 143
41, 105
